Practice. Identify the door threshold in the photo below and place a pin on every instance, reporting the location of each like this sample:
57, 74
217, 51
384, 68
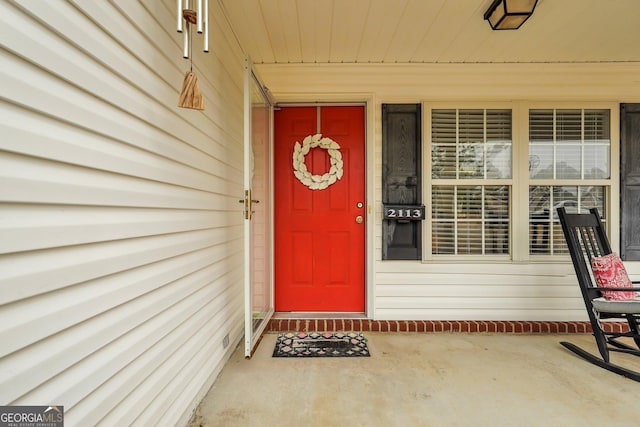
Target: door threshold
303, 315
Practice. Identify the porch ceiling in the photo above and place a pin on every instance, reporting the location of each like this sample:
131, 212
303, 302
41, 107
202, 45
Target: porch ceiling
432, 31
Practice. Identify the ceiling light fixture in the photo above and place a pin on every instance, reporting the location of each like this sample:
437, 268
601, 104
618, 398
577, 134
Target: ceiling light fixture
509, 14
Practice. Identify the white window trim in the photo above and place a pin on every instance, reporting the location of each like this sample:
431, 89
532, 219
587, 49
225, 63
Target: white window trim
519, 203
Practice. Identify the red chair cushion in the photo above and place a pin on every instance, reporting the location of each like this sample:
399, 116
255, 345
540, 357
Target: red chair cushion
609, 272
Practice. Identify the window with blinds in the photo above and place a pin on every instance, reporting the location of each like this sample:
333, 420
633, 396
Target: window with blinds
545, 232
471, 170
470, 144
475, 181
569, 166
569, 144
470, 219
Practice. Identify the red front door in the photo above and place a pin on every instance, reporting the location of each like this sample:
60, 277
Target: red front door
320, 210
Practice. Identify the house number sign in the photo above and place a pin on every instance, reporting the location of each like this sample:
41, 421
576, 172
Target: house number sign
410, 212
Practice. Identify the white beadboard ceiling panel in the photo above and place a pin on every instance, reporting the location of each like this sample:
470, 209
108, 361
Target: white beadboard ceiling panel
433, 31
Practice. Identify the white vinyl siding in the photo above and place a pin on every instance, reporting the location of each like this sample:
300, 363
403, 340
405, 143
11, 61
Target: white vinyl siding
470, 291
121, 253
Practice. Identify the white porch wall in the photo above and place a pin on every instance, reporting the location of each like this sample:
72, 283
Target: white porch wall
458, 291
120, 230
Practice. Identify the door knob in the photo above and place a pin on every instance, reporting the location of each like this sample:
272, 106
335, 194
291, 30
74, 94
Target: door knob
359, 219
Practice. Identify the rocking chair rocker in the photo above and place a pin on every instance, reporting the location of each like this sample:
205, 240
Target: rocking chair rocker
586, 240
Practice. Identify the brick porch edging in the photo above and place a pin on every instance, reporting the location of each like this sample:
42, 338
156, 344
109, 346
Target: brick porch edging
469, 326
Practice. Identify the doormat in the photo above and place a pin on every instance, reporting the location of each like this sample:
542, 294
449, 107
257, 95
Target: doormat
325, 344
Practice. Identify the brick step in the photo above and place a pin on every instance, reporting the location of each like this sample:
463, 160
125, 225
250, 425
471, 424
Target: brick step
464, 326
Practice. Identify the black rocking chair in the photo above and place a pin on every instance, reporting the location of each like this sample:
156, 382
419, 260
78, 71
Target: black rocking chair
587, 239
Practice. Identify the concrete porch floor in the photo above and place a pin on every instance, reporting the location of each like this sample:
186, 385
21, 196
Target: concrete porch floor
426, 380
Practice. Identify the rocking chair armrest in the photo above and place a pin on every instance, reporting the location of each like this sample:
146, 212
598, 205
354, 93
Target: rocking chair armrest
596, 292
633, 289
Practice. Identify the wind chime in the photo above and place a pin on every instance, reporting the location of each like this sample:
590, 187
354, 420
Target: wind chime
190, 95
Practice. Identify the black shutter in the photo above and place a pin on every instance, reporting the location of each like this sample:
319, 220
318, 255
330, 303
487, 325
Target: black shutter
401, 178
630, 182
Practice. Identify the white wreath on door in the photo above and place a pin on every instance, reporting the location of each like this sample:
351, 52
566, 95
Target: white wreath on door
317, 182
